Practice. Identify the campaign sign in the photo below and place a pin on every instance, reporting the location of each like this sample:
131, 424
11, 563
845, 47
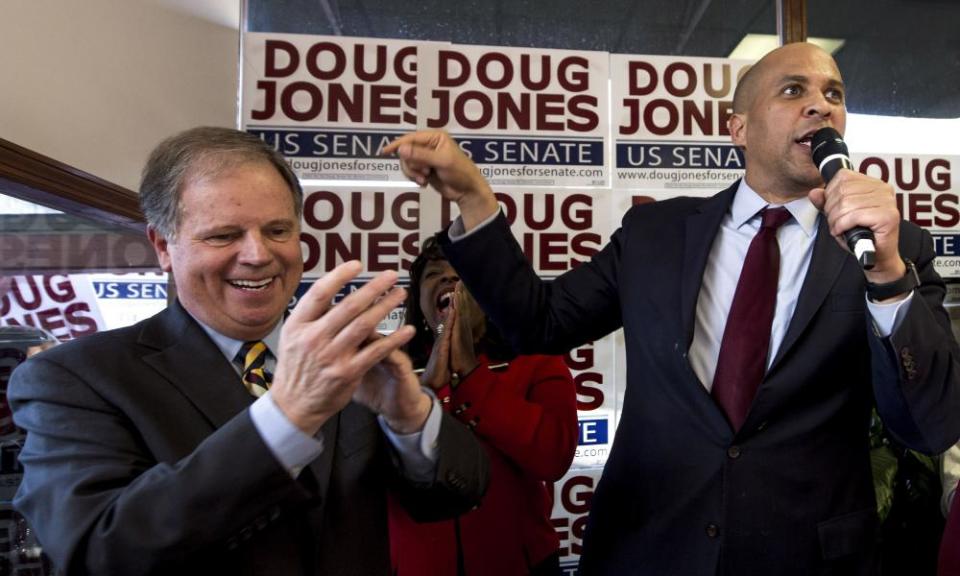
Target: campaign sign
125, 299
558, 229
330, 104
593, 369
624, 199
377, 226
670, 121
64, 306
524, 115
925, 196
572, 496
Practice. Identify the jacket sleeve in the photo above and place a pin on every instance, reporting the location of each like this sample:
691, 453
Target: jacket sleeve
101, 503
916, 370
460, 480
528, 412
536, 316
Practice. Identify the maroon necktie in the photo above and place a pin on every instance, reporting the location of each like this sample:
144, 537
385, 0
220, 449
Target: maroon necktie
746, 337
950, 545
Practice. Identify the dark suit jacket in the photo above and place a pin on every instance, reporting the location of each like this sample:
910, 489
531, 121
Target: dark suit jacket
681, 494
141, 458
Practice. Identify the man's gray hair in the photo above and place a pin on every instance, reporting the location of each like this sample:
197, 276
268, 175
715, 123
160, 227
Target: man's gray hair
197, 154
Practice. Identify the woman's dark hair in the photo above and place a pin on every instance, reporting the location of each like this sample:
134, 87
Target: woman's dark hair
491, 343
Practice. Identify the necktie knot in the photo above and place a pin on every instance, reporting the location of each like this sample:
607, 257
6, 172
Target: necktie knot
774, 217
253, 357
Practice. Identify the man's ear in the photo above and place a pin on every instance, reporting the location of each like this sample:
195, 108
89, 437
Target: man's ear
737, 126
160, 246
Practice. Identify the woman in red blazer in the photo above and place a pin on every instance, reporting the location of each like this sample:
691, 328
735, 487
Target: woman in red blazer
523, 409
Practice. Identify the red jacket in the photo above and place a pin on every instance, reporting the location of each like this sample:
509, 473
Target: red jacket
526, 417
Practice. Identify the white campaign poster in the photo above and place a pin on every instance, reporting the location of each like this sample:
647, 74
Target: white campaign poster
593, 369
124, 299
925, 196
624, 199
557, 228
330, 104
524, 115
63, 305
377, 226
670, 121
572, 496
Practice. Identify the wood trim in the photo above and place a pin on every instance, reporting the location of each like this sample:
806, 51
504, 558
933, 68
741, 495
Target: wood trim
792, 21
36, 178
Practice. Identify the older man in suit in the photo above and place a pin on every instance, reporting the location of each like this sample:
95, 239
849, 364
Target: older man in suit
215, 438
765, 472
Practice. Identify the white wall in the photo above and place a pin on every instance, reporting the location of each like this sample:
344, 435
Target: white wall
97, 83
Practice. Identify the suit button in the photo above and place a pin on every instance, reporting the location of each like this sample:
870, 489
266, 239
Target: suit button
713, 530
733, 452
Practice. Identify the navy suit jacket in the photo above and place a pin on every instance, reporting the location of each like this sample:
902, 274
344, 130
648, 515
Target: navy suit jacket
141, 458
790, 493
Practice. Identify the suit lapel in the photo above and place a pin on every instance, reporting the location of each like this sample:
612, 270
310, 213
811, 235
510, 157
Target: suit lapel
825, 265
187, 358
701, 230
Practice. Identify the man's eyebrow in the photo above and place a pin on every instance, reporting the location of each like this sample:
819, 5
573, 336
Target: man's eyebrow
801, 79
837, 84
280, 222
798, 78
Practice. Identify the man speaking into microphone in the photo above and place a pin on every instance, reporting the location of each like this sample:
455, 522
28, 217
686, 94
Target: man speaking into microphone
756, 344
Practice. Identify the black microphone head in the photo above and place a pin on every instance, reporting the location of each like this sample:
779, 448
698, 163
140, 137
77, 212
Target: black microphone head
827, 142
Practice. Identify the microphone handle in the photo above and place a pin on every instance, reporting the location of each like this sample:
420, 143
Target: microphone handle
859, 239
860, 242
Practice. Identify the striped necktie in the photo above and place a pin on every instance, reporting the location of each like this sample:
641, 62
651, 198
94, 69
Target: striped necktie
253, 356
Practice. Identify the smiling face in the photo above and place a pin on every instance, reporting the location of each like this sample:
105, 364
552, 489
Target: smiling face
437, 284
236, 255
790, 94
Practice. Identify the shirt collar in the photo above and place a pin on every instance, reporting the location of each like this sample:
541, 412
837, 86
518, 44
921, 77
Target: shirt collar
747, 204
229, 347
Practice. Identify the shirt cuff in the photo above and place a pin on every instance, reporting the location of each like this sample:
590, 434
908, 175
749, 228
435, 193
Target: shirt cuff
418, 451
289, 445
888, 317
456, 232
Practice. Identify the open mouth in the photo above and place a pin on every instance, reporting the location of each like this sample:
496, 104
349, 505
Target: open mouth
805, 139
252, 285
444, 299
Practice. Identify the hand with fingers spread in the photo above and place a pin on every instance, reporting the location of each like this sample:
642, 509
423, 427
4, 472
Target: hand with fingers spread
855, 199
326, 350
433, 157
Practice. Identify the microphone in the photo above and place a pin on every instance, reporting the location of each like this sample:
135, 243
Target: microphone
830, 156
